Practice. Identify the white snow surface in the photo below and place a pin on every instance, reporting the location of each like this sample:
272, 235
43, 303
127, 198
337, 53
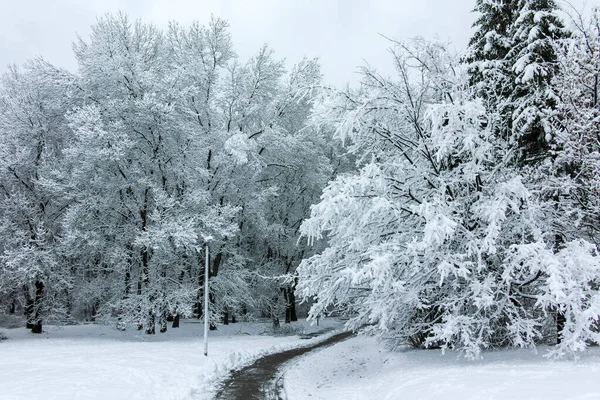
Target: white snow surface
361, 368
100, 362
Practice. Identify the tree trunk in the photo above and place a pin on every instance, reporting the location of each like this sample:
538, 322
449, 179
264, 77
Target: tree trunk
37, 327
288, 314
93, 313
292, 305
127, 284
69, 303
12, 307
151, 328
199, 307
212, 300
162, 321
175, 321
233, 320
28, 310
37, 307
216, 265
275, 312
560, 325
140, 325
225, 318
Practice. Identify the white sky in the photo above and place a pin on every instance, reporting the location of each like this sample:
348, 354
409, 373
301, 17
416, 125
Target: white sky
342, 33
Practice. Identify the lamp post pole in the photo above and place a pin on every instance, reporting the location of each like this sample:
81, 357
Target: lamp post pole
206, 315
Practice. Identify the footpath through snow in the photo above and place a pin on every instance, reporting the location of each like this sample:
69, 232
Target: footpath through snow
100, 362
261, 379
361, 368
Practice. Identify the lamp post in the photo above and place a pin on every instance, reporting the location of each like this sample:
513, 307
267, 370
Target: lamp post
206, 315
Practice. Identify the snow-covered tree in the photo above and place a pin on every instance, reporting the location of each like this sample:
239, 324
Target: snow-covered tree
535, 31
137, 181
575, 122
179, 140
489, 70
438, 240
33, 134
512, 60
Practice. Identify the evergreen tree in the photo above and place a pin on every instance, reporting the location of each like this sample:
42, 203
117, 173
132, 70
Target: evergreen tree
490, 72
488, 49
511, 62
534, 63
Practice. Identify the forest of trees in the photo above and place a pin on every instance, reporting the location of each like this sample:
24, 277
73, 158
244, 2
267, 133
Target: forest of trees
454, 205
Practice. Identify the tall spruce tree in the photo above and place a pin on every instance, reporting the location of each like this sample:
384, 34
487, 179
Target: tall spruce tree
489, 46
490, 71
534, 64
511, 64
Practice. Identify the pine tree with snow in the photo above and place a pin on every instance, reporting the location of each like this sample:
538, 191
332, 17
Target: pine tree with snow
489, 71
534, 33
511, 62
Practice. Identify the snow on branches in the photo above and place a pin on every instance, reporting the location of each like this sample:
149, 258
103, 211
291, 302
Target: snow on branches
437, 238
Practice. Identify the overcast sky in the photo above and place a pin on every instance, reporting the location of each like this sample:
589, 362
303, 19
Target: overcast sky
342, 33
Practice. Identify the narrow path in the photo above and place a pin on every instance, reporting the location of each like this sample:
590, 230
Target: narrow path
263, 379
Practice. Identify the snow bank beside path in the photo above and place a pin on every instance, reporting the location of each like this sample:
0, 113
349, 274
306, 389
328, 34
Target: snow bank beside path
360, 368
100, 362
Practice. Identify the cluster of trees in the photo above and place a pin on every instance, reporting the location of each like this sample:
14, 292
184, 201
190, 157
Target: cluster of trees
112, 179
474, 218
463, 211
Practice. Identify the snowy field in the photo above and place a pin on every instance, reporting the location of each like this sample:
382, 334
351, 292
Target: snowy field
360, 368
100, 362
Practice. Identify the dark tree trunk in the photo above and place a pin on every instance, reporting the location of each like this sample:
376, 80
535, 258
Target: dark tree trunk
163, 322
145, 275
175, 321
37, 307
37, 327
233, 320
28, 311
225, 318
274, 312
151, 328
212, 300
93, 313
140, 325
216, 265
12, 307
127, 284
69, 303
292, 305
288, 314
560, 325
199, 307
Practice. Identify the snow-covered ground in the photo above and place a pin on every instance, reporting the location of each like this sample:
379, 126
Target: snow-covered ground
360, 368
100, 362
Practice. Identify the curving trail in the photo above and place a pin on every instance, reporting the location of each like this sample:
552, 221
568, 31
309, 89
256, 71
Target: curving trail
263, 379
